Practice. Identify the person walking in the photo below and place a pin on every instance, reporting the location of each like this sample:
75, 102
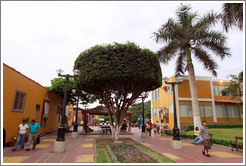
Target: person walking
21, 136
34, 126
206, 139
150, 127
158, 127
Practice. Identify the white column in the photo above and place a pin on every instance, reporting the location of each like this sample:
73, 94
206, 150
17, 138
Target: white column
213, 102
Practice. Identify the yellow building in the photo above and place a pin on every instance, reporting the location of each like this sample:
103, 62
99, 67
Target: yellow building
215, 105
23, 97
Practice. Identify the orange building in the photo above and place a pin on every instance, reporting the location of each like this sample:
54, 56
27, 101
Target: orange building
23, 97
215, 105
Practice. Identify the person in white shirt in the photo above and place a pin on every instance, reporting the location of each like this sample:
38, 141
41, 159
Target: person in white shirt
21, 135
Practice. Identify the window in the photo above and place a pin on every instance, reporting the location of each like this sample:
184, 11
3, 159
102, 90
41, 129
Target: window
37, 111
19, 101
219, 90
170, 92
45, 113
156, 95
185, 110
228, 111
206, 111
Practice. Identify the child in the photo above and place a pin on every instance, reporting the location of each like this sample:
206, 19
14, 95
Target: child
154, 128
205, 138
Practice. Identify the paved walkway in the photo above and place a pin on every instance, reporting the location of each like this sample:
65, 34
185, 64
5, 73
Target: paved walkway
82, 150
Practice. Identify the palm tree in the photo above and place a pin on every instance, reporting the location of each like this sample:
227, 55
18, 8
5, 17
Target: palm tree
187, 36
236, 86
232, 15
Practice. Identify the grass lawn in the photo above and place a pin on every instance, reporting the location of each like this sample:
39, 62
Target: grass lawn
103, 155
224, 133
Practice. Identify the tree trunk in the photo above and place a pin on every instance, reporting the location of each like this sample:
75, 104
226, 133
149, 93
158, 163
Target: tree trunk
193, 90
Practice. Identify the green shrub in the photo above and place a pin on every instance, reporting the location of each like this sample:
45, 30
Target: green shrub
213, 126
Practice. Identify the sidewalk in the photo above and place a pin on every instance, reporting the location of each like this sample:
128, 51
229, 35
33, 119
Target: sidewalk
82, 150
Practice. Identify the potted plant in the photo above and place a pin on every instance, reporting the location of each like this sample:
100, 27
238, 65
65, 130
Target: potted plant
13, 141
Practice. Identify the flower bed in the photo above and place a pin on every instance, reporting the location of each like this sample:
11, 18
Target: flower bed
130, 154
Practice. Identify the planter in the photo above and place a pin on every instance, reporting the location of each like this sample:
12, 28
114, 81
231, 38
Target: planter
12, 144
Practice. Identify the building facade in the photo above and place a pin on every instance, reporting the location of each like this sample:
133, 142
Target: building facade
215, 105
22, 98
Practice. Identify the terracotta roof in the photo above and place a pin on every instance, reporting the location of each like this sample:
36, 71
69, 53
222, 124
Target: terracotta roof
228, 101
99, 110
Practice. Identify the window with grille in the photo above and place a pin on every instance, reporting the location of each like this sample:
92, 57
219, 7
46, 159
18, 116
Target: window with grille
19, 101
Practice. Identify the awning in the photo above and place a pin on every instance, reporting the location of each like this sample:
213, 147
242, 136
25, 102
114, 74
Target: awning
99, 110
228, 101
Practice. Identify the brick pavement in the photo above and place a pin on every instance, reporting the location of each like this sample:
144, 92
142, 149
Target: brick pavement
82, 150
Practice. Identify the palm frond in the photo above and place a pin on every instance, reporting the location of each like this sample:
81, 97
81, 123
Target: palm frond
168, 31
219, 49
166, 53
206, 59
180, 65
232, 15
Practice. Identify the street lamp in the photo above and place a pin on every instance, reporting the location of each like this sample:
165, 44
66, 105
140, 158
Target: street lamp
143, 133
176, 144
59, 145
75, 127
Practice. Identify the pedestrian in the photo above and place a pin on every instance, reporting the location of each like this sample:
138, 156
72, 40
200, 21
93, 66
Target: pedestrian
154, 128
4, 137
147, 127
198, 138
150, 127
21, 136
205, 138
158, 127
33, 129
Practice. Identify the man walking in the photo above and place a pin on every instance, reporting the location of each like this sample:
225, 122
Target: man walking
21, 136
205, 138
150, 127
158, 126
33, 135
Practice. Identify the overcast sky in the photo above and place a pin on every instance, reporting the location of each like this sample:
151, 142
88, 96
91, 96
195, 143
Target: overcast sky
40, 37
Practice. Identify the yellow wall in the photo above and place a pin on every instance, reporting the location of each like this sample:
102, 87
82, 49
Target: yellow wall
203, 89
35, 94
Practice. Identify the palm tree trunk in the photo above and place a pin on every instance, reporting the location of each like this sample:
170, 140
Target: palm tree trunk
193, 90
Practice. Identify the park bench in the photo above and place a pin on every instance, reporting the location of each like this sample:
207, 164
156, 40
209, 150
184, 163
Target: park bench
236, 144
183, 134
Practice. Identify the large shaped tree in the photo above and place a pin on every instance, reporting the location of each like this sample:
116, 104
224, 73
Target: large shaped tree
118, 74
187, 36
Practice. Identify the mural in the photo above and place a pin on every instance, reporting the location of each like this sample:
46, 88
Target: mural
163, 113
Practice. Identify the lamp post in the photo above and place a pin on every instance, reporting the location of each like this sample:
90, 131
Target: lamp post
176, 143
59, 145
143, 133
75, 127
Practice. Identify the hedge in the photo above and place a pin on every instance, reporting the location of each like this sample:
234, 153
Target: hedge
214, 141
213, 126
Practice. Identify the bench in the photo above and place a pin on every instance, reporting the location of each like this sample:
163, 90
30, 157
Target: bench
183, 134
236, 144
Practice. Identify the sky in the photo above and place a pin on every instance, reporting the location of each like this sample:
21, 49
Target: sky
39, 37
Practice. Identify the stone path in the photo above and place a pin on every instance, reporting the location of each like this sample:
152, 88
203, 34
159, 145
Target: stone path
82, 150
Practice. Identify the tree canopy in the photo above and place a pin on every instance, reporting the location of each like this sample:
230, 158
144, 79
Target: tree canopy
58, 87
118, 74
